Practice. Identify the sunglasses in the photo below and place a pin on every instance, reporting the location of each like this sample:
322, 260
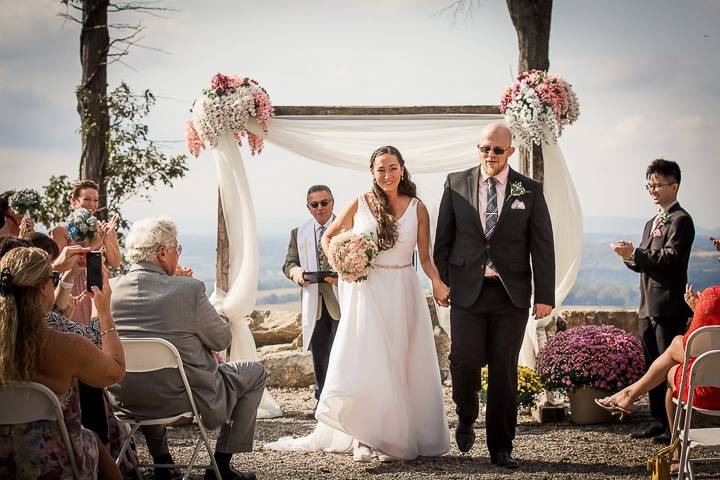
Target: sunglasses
324, 203
495, 150
55, 276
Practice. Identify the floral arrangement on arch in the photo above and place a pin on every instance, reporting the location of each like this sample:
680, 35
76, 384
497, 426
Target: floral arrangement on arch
537, 107
529, 386
352, 255
226, 107
594, 356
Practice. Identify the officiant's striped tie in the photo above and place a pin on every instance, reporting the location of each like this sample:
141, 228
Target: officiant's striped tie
491, 213
320, 252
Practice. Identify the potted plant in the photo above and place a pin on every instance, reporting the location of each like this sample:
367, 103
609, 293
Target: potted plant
529, 387
590, 362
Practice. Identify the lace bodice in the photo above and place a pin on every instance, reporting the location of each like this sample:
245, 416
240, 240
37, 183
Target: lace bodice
401, 253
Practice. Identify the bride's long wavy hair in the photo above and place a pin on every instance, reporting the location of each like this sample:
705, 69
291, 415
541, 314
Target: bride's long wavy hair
387, 231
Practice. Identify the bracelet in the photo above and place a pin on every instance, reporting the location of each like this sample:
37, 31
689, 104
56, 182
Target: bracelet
113, 329
66, 285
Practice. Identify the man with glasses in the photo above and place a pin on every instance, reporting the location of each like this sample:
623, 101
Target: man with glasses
492, 222
320, 308
662, 261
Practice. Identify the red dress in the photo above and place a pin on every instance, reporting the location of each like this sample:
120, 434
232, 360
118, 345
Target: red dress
707, 312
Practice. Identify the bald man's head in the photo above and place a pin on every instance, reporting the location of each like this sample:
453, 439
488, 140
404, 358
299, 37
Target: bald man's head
495, 148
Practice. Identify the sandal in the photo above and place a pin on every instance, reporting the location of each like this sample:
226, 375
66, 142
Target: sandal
612, 408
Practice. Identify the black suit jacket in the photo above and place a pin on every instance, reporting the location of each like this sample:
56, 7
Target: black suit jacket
462, 250
663, 263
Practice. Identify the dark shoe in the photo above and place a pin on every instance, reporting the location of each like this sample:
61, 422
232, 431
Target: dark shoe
464, 436
662, 439
231, 474
503, 458
167, 474
653, 430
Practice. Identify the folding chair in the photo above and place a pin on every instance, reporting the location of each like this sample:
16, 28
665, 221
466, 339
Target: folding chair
703, 343
148, 355
24, 402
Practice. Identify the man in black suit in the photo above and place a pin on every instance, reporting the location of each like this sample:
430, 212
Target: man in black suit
662, 261
492, 220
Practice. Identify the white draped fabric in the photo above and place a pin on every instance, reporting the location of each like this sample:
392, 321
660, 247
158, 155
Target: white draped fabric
429, 143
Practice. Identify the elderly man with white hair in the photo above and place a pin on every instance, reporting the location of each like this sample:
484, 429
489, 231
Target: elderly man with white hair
152, 300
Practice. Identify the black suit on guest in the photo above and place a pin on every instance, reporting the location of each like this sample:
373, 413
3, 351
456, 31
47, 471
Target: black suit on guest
488, 316
662, 262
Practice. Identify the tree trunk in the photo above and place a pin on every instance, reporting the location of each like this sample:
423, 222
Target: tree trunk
531, 19
92, 96
222, 266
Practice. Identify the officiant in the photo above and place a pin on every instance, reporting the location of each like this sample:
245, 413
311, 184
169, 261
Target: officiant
305, 257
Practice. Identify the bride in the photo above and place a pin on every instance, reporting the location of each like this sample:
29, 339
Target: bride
383, 390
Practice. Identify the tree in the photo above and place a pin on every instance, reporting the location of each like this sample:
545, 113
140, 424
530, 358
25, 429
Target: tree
135, 163
97, 51
531, 19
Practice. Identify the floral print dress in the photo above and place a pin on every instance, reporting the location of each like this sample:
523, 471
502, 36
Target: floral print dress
36, 450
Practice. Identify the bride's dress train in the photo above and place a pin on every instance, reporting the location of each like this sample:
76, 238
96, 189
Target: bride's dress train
383, 384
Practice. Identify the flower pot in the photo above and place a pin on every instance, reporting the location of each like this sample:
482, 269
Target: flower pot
583, 410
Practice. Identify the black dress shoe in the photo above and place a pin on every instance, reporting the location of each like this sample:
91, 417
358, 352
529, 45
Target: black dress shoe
231, 474
464, 436
653, 430
167, 474
662, 439
503, 458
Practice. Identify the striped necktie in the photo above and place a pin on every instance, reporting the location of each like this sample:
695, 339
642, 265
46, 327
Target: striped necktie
491, 213
320, 252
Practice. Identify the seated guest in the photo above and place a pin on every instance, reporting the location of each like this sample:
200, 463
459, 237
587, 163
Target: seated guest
94, 404
152, 301
707, 312
8, 242
30, 351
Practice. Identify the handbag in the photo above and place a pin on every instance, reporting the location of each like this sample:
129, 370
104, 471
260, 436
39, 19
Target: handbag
659, 462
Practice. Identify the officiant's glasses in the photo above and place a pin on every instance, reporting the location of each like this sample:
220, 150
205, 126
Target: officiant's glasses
324, 203
495, 150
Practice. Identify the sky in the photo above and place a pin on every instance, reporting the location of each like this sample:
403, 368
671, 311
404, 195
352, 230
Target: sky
647, 74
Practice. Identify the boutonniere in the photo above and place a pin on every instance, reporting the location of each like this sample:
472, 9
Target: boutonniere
517, 189
664, 219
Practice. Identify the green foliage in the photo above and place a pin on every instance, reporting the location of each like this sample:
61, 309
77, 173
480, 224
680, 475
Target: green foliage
136, 166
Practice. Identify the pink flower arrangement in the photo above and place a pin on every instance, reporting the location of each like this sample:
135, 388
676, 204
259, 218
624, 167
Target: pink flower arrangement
352, 255
227, 106
595, 356
538, 105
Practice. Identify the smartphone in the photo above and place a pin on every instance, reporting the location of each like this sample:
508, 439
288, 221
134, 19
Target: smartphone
94, 263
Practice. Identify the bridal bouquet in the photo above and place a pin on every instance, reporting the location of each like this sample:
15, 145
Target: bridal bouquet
538, 105
25, 201
595, 356
227, 106
352, 255
81, 225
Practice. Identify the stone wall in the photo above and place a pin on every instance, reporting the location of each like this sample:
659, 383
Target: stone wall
278, 335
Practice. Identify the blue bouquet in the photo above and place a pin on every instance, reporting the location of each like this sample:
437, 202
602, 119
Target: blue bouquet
81, 225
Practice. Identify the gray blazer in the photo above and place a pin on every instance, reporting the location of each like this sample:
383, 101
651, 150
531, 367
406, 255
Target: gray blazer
146, 302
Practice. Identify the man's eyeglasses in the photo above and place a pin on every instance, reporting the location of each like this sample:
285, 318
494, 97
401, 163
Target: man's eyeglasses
178, 248
495, 150
55, 276
654, 186
324, 203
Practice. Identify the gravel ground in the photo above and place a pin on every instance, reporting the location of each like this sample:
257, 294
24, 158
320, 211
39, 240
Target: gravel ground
546, 451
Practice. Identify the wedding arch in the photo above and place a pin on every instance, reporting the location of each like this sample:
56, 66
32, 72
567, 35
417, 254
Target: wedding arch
433, 139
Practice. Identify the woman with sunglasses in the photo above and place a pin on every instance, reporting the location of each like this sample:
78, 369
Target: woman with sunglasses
383, 390
30, 351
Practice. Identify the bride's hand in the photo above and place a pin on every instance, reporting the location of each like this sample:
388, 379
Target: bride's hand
441, 292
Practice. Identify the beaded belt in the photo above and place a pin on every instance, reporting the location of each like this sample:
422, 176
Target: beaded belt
392, 267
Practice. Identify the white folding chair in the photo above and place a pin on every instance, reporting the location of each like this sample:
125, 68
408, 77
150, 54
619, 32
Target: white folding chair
25, 402
148, 355
705, 371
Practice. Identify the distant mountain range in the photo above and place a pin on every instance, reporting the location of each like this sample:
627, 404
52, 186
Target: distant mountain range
603, 280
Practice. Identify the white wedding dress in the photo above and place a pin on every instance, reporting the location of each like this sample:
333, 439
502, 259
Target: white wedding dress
383, 384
